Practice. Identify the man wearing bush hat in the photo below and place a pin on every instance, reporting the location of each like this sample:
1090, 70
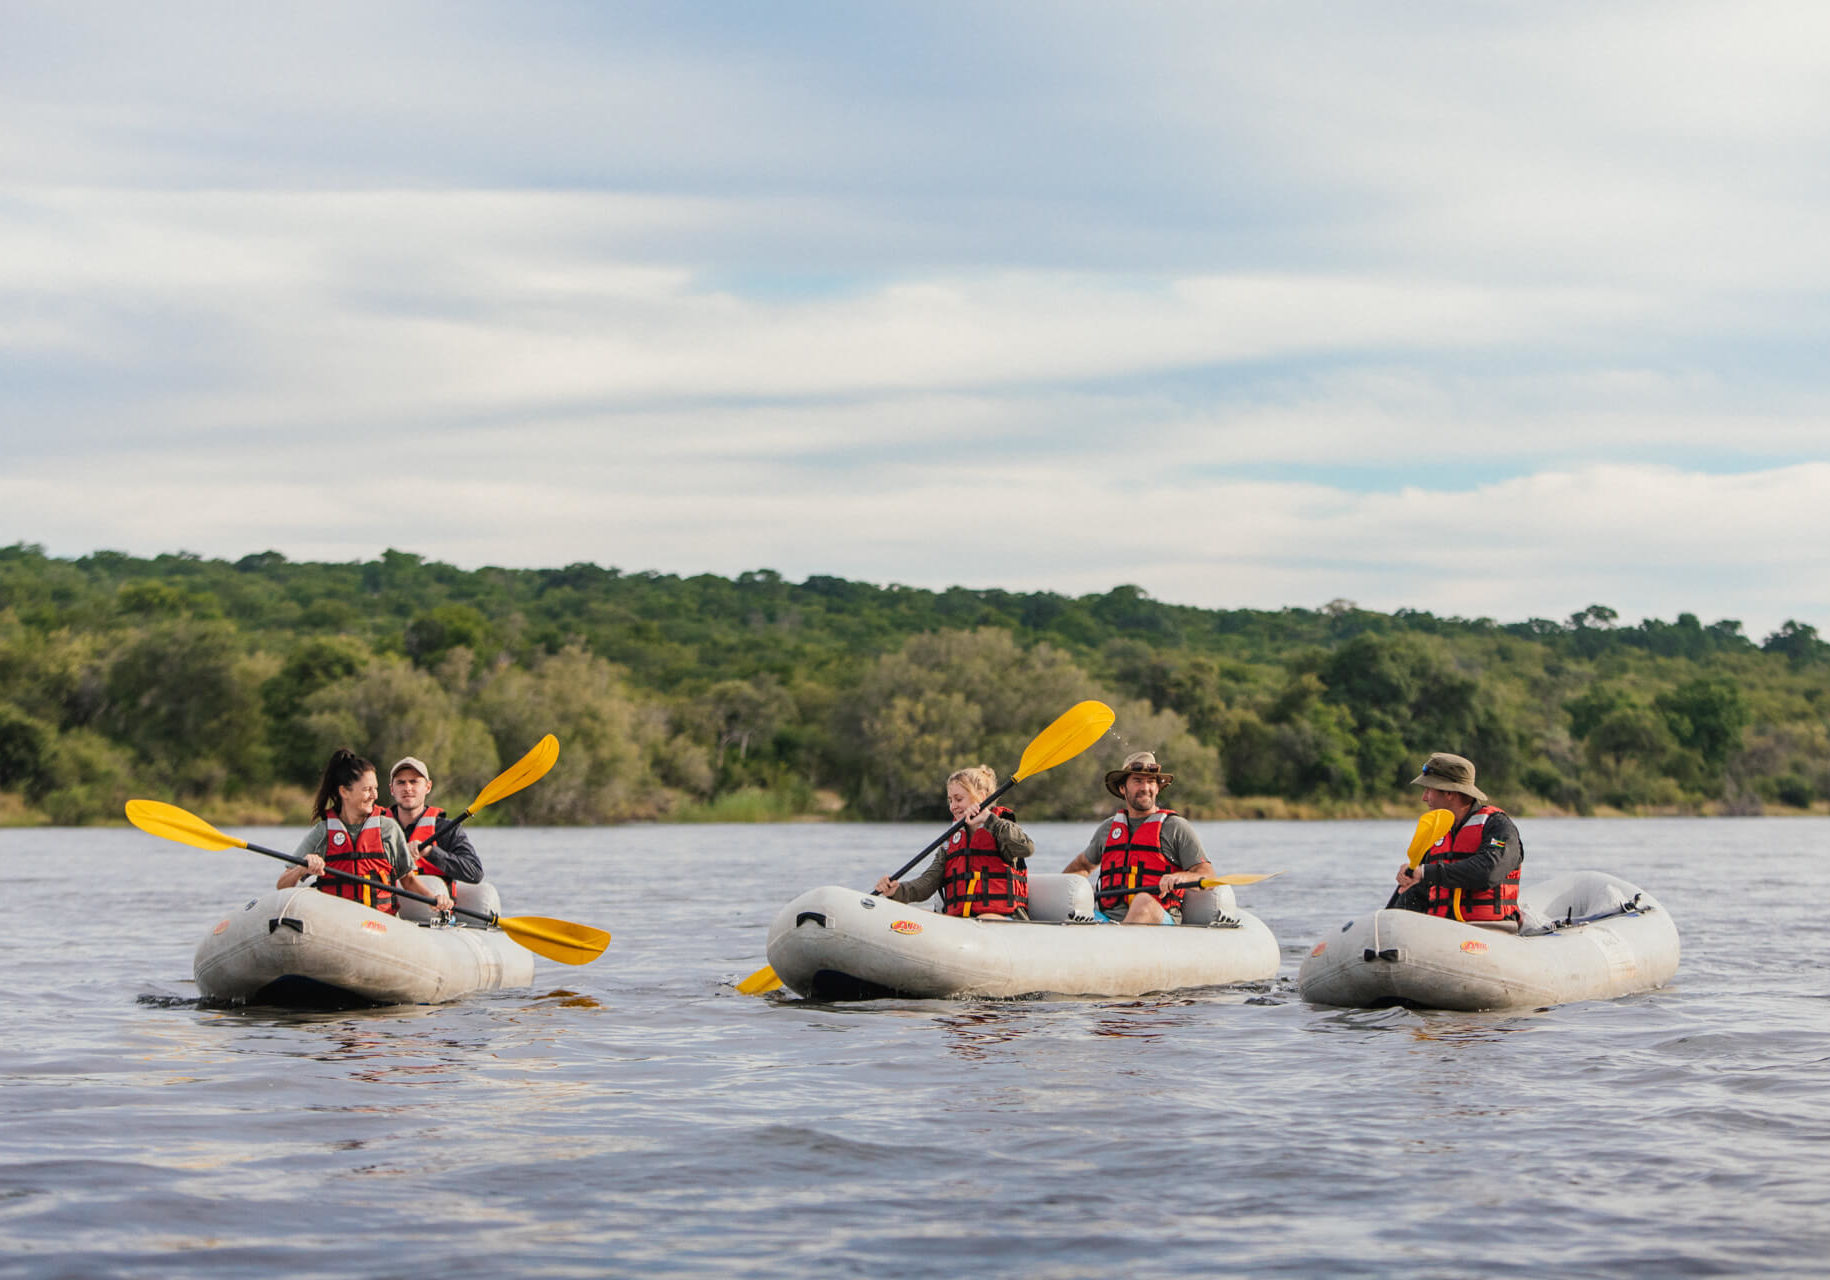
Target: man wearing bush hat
1143, 854
1472, 873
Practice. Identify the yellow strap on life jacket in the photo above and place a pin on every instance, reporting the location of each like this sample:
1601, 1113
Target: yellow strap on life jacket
1455, 907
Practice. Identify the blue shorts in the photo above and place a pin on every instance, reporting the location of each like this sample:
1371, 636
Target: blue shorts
1103, 918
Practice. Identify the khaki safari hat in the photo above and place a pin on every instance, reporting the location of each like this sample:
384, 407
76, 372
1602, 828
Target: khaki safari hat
414, 763
1137, 762
1450, 773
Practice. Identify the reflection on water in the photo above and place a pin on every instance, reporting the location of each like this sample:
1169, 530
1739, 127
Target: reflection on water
571, 999
972, 1033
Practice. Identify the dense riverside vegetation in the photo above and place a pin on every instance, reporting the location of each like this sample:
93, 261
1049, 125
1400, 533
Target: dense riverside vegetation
223, 686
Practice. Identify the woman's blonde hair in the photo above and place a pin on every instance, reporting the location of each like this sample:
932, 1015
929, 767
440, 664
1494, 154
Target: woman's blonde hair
980, 780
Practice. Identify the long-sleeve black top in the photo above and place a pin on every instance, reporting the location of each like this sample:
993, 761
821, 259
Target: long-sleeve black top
453, 854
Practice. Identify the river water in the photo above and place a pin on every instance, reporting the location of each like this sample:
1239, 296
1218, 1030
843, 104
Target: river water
637, 1117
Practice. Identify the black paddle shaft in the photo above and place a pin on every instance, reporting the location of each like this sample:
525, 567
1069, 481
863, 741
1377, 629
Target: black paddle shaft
446, 826
1151, 892
383, 885
946, 835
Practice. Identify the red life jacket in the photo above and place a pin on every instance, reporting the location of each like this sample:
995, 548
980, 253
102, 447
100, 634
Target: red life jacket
1133, 860
975, 881
366, 856
423, 828
1495, 902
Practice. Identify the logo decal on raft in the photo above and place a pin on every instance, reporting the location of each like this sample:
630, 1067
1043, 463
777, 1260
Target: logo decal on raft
905, 926
1474, 946
219, 928
1319, 948
375, 925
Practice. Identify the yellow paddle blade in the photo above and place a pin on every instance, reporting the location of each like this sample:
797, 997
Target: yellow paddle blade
1431, 827
1078, 728
1243, 877
524, 772
760, 983
157, 818
559, 940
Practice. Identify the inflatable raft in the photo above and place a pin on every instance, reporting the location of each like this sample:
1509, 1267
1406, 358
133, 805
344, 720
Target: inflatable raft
301, 947
1588, 936
834, 943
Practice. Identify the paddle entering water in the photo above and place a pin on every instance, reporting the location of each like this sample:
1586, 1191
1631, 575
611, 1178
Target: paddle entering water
559, 940
1076, 729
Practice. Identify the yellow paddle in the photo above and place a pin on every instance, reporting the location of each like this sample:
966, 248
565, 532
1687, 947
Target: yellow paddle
1431, 827
558, 940
524, 772
1206, 882
1076, 729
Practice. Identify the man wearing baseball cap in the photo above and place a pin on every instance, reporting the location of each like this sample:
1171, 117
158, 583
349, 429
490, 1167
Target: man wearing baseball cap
453, 857
1472, 873
1144, 854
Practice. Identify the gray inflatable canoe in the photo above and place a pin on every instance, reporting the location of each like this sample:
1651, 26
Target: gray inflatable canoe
1587, 936
834, 943
299, 946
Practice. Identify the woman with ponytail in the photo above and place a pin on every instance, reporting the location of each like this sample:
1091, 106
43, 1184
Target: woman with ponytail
356, 837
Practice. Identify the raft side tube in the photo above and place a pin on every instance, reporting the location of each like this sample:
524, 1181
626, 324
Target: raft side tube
1618, 941
832, 938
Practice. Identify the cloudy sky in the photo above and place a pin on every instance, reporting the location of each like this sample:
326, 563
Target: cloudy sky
1498, 310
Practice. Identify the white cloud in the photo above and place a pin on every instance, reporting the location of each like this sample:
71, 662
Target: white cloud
1256, 305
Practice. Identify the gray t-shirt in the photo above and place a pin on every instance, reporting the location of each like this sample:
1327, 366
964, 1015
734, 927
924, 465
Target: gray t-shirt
393, 839
1178, 840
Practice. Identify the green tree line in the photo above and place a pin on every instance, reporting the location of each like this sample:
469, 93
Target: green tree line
223, 685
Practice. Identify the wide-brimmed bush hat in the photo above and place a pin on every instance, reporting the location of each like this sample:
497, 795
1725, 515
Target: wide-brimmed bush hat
1143, 762
1450, 773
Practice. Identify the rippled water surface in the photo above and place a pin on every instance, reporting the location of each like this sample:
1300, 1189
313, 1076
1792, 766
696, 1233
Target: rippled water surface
639, 1117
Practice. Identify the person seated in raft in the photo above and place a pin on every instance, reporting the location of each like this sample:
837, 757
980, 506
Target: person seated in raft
453, 858
353, 835
1143, 854
1472, 873
984, 869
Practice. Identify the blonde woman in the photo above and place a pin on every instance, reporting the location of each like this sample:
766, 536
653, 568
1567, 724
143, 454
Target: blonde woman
983, 870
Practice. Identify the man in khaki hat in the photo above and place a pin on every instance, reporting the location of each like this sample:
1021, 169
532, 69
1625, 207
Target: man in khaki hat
1143, 854
1472, 873
453, 858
